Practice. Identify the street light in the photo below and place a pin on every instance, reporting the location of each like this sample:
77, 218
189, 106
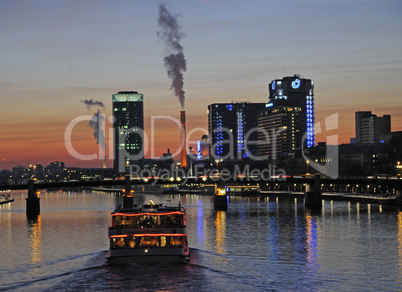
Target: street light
398, 168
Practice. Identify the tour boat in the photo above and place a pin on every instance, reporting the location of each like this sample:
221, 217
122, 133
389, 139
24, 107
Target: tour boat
148, 234
5, 197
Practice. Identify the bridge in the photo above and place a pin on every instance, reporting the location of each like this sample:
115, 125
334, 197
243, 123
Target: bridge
313, 190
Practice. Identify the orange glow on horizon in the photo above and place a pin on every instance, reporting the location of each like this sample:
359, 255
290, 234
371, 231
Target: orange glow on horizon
43, 142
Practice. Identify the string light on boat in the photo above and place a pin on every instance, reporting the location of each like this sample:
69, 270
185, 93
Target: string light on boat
159, 234
147, 213
118, 236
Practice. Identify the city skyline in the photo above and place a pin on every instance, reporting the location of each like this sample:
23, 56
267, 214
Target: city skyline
56, 54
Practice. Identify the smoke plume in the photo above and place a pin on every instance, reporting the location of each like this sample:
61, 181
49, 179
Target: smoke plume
97, 124
90, 103
175, 63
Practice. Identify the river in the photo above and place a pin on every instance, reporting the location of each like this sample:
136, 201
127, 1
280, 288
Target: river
259, 244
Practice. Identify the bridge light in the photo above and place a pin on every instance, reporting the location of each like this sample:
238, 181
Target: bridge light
221, 192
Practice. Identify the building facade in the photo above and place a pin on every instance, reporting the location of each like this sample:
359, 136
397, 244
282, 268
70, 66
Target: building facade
370, 128
203, 146
287, 122
280, 134
231, 126
128, 114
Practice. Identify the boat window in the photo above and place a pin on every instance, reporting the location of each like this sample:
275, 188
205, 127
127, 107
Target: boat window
117, 243
175, 241
148, 220
163, 241
174, 219
117, 220
131, 242
149, 241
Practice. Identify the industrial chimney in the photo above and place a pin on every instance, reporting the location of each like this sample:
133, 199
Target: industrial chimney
183, 139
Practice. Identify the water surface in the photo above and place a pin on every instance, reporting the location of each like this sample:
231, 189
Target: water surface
259, 244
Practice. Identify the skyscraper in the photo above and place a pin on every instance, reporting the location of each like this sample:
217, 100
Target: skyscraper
231, 126
288, 118
369, 127
128, 114
282, 135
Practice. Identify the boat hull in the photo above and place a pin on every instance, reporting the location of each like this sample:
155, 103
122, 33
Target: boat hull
145, 258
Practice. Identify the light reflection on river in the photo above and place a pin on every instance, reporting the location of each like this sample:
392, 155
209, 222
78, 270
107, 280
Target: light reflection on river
258, 244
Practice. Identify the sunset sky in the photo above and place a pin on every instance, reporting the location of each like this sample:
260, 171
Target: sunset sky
54, 54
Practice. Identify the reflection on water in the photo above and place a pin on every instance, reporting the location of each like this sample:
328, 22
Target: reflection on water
399, 222
258, 244
220, 223
312, 246
5, 224
35, 237
200, 223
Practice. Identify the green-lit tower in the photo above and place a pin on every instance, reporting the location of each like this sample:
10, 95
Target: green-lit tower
128, 114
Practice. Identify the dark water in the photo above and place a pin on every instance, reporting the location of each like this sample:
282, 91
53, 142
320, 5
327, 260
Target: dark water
259, 244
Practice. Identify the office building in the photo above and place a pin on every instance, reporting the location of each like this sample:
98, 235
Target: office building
280, 134
231, 126
370, 128
128, 114
287, 122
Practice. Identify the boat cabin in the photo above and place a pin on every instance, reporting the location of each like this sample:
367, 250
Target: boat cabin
147, 241
148, 218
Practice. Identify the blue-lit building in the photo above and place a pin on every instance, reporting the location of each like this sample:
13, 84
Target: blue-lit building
288, 119
128, 114
230, 126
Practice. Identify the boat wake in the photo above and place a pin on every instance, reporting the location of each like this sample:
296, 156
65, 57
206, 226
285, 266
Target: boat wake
41, 283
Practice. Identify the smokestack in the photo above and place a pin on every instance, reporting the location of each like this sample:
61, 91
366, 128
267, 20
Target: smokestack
183, 139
